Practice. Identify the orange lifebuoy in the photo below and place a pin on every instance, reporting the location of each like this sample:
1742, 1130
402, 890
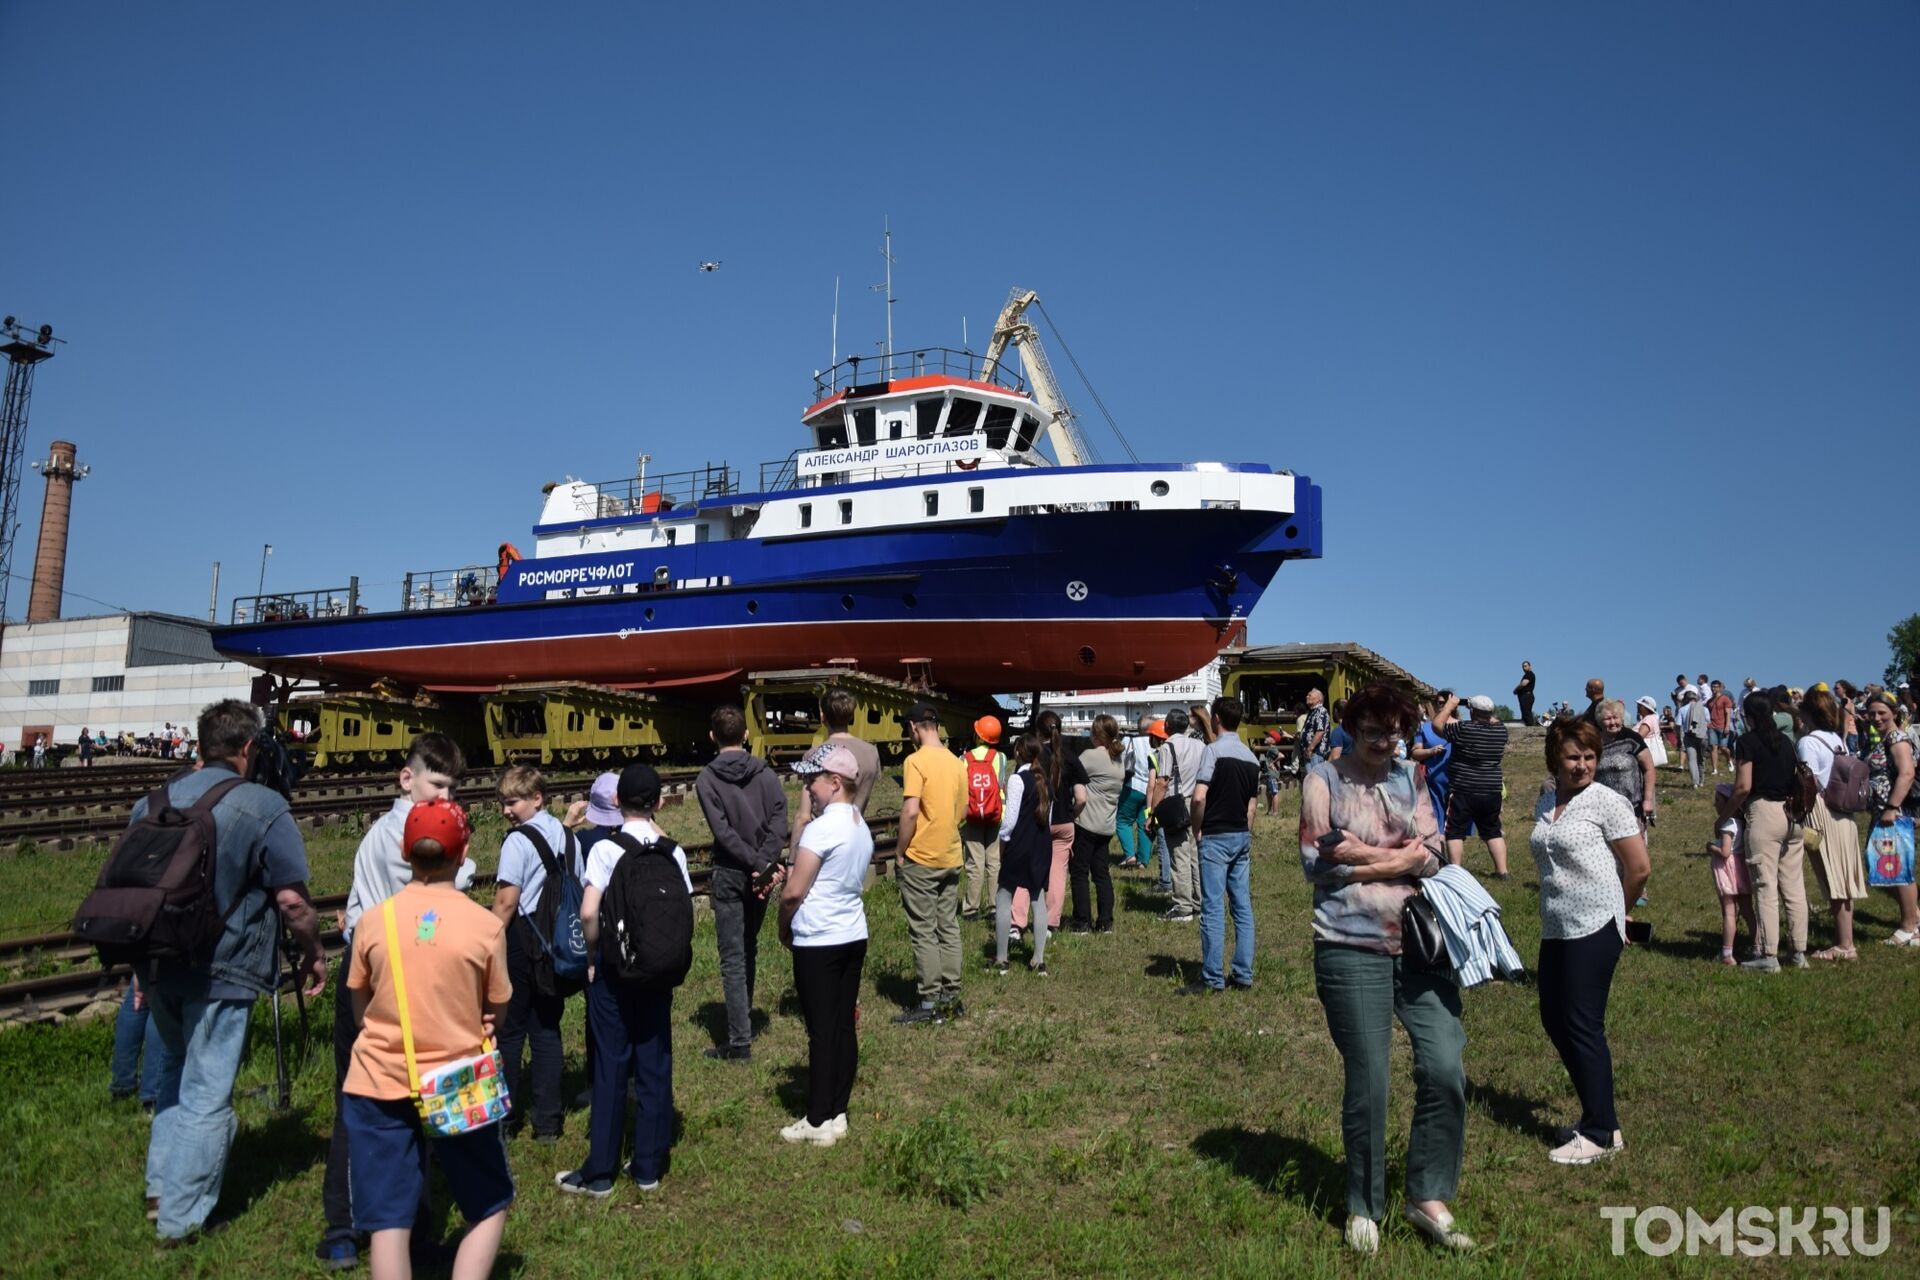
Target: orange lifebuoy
965, 465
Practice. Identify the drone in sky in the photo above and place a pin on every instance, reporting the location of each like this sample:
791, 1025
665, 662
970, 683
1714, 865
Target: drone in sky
709, 266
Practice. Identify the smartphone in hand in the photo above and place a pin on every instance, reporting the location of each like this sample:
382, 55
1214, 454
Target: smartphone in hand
1640, 931
1330, 841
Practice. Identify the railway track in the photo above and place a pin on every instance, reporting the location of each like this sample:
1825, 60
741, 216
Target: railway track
101, 814
54, 996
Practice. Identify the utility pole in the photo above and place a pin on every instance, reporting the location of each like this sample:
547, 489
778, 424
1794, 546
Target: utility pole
24, 349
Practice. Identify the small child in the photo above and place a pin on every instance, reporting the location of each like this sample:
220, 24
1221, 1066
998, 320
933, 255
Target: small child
539, 1002
1730, 875
380, 869
454, 964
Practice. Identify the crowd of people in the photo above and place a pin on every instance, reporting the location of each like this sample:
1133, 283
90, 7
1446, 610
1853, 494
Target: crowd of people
596, 904
172, 742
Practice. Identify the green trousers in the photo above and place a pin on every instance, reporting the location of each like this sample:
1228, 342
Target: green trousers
930, 896
1362, 991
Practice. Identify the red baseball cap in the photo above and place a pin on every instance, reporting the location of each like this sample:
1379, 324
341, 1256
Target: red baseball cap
441, 821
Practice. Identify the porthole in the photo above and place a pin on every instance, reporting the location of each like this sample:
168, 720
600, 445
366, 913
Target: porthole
1293, 531
649, 615
1159, 488
1086, 655
753, 606
910, 600
846, 602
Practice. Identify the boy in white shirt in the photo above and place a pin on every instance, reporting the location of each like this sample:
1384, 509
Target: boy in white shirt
539, 1002
631, 1025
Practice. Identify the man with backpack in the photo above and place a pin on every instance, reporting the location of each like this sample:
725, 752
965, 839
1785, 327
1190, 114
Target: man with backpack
638, 915
746, 810
980, 833
194, 895
537, 896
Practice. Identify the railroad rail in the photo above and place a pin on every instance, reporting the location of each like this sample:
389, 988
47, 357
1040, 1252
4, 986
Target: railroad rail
55, 996
102, 815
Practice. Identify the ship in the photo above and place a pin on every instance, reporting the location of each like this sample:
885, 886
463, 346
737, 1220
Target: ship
921, 532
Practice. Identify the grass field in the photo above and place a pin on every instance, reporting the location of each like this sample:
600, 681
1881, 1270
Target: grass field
1093, 1124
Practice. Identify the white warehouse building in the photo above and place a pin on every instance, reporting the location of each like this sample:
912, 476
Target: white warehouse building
115, 673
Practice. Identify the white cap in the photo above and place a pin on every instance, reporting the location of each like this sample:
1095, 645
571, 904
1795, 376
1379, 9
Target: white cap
1480, 702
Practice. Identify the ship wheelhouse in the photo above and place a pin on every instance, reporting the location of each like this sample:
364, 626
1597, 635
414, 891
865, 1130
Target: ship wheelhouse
950, 410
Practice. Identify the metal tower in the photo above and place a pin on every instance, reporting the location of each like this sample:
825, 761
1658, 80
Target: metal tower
24, 349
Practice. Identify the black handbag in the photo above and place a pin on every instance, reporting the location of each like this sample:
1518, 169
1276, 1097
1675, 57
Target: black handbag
1171, 813
1422, 943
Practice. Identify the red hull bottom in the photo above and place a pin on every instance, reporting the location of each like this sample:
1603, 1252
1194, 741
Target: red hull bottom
964, 657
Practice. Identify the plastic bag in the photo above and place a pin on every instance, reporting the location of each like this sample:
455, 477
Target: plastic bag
1890, 853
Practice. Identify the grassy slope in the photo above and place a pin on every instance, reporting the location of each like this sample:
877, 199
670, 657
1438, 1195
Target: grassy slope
1093, 1124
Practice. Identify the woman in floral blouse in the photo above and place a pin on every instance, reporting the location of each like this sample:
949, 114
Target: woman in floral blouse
1367, 837
1890, 759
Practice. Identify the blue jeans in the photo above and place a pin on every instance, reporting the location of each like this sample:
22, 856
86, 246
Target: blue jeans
1165, 883
1224, 880
136, 1052
201, 1041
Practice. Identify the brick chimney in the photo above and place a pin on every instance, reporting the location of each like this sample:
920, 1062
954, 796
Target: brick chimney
50, 561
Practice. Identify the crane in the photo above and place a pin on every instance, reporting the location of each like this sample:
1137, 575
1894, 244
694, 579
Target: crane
1013, 328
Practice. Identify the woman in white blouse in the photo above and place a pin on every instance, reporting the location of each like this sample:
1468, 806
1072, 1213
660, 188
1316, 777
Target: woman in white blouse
1593, 861
1834, 838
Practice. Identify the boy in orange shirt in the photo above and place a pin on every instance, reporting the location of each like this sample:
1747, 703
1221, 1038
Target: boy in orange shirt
454, 962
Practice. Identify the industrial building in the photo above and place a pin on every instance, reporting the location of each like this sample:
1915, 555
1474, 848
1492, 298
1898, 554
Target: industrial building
114, 673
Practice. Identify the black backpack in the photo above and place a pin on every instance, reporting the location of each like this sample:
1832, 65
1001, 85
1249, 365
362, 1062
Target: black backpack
155, 897
646, 917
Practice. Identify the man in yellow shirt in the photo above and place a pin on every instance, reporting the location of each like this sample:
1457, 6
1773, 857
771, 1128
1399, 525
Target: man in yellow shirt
933, 803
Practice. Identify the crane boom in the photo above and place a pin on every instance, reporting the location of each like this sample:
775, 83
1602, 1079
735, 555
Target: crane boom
1014, 329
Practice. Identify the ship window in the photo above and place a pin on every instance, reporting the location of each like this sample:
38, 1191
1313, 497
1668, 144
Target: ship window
833, 435
965, 413
932, 497
926, 416
976, 499
846, 511
863, 425
896, 427
999, 425
806, 515
1029, 428
673, 536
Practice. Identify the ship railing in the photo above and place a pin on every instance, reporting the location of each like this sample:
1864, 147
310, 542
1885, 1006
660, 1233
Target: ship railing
299, 606
915, 362
784, 475
463, 588
647, 494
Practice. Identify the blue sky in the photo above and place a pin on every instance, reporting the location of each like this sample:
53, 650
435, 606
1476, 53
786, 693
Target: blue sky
1598, 328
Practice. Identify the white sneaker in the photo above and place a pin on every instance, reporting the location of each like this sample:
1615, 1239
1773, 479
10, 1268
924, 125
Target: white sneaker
817, 1135
1583, 1151
1439, 1230
1363, 1235
839, 1125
